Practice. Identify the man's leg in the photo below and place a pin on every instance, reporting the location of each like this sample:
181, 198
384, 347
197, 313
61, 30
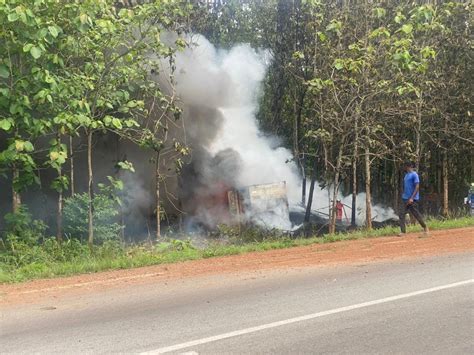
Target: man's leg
415, 212
401, 216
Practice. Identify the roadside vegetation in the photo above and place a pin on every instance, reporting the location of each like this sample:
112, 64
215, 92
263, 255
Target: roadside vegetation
23, 258
353, 89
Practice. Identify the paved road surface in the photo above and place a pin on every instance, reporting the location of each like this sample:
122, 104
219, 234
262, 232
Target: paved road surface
413, 306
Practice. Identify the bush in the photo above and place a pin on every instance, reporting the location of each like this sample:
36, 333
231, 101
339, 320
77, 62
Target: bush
21, 239
110, 249
174, 245
69, 250
21, 228
105, 212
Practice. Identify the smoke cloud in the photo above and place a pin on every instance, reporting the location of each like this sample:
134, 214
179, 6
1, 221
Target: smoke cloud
218, 92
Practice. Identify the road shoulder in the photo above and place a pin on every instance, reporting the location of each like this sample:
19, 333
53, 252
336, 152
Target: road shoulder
317, 255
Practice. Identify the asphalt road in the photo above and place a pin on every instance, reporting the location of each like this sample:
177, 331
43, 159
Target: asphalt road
421, 306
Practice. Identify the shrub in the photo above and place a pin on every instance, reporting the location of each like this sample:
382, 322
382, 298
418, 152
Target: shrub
110, 249
105, 212
69, 250
174, 245
21, 239
21, 228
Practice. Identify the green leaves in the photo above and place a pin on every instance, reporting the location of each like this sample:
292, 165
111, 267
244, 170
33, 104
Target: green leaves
180, 43
27, 47
4, 71
339, 64
334, 26
116, 123
60, 183
404, 60
58, 157
379, 12
407, 28
22, 146
126, 165
35, 52
57, 154
380, 32
6, 124
428, 52
12, 17
298, 55
399, 17
113, 122
53, 30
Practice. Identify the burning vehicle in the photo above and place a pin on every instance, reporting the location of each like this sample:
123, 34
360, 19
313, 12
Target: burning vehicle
265, 205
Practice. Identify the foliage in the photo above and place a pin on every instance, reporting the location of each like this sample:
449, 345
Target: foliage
105, 212
72, 257
21, 238
73, 69
20, 228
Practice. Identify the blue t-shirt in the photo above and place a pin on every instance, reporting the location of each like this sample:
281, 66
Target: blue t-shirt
409, 184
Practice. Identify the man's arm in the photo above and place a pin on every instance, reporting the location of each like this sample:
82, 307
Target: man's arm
417, 188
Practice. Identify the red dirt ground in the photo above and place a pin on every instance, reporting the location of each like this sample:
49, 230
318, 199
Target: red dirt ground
340, 253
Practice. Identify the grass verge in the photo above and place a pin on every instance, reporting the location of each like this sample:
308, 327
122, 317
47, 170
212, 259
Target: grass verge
178, 251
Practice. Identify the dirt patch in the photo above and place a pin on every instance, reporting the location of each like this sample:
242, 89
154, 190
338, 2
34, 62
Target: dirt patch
345, 252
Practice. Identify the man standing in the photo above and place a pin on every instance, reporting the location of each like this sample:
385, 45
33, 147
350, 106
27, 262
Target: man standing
470, 199
410, 197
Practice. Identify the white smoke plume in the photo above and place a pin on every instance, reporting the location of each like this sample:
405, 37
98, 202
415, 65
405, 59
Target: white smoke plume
321, 203
239, 73
219, 92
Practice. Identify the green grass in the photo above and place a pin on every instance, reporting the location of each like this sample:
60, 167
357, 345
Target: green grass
137, 256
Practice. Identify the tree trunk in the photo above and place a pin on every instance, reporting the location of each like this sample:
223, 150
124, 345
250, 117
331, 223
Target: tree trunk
307, 215
310, 199
16, 197
59, 213
418, 140
333, 212
119, 175
303, 181
297, 112
158, 198
71, 162
296, 135
326, 174
59, 218
90, 207
396, 182
418, 150
332, 221
368, 198
354, 194
445, 184
354, 173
